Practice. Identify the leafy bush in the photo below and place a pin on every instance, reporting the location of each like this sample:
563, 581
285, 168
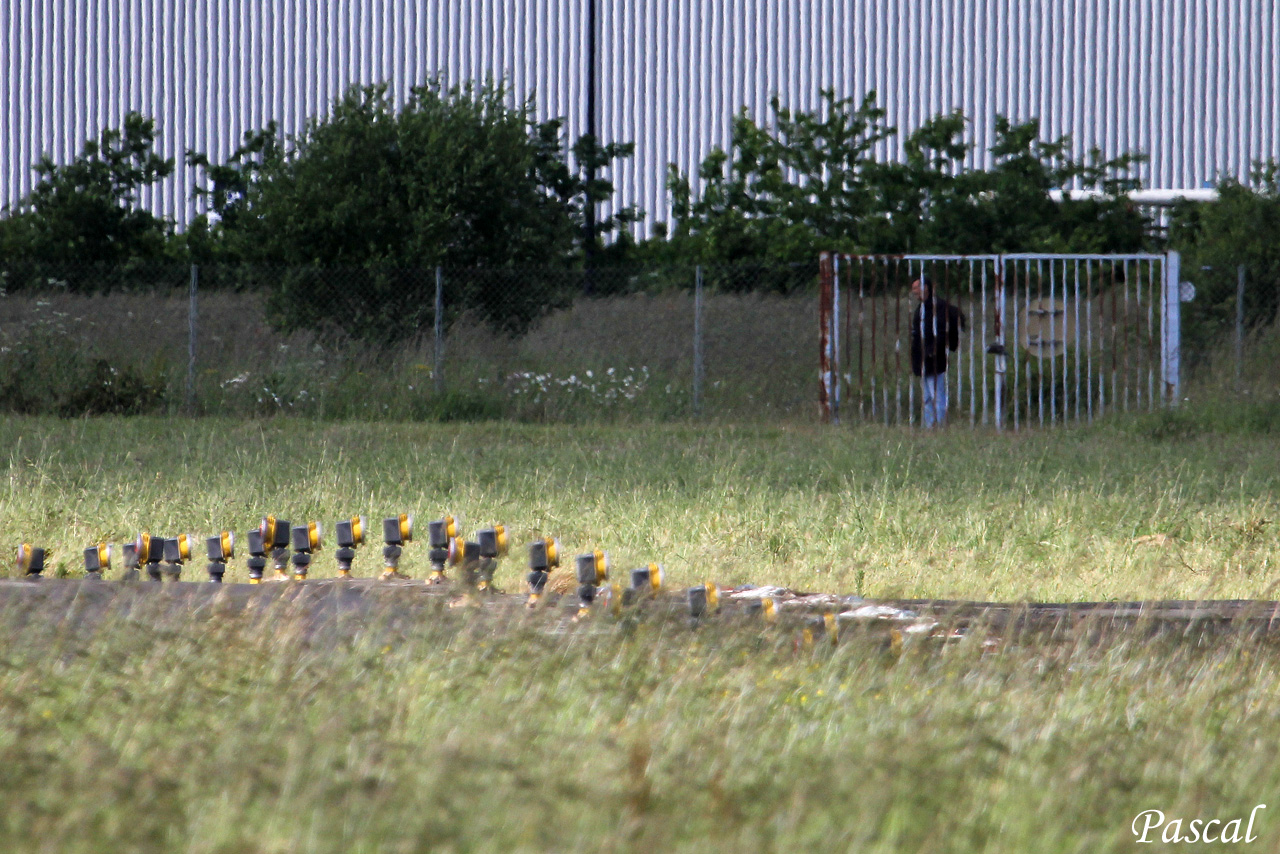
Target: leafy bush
453, 178
107, 390
809, 181
1242, 228
86, 211
456, 405
36, 380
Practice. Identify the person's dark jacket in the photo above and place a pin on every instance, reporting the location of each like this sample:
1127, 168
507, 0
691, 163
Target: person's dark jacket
935, 328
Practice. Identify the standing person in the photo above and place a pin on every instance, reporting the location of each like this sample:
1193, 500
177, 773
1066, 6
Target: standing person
935, 328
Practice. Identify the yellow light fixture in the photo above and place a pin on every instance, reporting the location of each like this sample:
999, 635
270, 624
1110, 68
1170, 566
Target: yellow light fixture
30, 561
257, 561
593, 568
351, 531
493, 541
227, 540
144, 547
98, 558
647, 579
704, 599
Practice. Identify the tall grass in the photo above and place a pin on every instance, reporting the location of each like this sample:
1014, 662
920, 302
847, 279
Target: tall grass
160, 726
1154, 507
139, 718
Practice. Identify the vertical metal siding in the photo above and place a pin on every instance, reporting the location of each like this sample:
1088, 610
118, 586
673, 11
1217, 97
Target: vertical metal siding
1193, 83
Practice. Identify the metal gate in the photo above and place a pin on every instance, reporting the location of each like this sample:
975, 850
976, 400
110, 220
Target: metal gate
1044, 339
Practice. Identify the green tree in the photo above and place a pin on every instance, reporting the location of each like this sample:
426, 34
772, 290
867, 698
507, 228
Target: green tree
1241, 228
86, 211
780, 196
813, 183
454, 178
227, 192
1009, 208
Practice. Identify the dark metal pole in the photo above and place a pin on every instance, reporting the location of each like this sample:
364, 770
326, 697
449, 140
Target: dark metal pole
589, 224
438, 367
191, 340
1239, 327
697, 343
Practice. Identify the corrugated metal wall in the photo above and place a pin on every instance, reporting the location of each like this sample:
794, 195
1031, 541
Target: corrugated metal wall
1194, 83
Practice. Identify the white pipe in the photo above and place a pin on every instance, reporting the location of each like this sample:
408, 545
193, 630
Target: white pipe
1155, 198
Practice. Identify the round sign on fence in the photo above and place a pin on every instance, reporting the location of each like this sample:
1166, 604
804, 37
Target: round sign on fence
1046, 328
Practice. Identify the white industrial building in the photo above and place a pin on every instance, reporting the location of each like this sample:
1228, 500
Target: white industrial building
1195, 84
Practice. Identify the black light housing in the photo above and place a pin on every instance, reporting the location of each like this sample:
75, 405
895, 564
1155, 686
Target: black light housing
492, 544
647, 580
97, 559
306, 539
221, 546
704, 599
257, 561
396, 531
348, 534
441, 531
446, 547
492, 541
275, 536
150, 552
175, 552
219, 549
30, 560
544, 555
592, 571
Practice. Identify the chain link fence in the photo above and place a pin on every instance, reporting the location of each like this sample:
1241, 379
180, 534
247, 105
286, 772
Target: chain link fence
410, 343
1231, 330
736, 343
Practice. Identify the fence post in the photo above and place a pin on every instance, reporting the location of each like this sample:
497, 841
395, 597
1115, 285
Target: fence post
437, 371
1239, 327
999, 349
1171, 330
191, 341
697, 342
826, 320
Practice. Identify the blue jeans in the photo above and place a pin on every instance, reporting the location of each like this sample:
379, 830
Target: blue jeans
934, 396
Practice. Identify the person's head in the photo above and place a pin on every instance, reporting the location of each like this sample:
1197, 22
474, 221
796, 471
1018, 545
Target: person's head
922, 288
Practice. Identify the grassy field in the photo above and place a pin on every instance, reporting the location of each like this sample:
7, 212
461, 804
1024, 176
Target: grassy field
163, 728
1149, 508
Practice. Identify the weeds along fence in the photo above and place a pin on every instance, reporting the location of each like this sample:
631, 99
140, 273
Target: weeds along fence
737, 343
418, 344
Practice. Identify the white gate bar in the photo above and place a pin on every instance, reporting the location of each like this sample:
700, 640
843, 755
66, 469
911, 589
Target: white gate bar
1153, 300
1072, 256
1171, 330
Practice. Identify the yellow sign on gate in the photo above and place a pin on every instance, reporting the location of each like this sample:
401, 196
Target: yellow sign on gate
1046, 328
